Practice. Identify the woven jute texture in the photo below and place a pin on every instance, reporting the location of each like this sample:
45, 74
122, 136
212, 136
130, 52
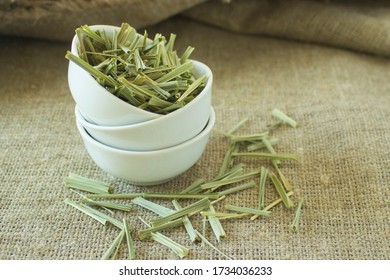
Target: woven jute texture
340, 98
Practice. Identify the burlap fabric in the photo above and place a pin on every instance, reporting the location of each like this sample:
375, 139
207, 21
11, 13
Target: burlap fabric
339, 97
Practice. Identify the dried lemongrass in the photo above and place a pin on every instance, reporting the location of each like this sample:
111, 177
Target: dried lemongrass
260, 144
177, 248
281, 191
186, 222
113, 249
284, 118
294, 224
215, 224
266, 155
153, 195
130, 242
247, 210
142, 234
85, 210
272, 204
117, 62
204, 239
106, 204
194, 207
238, 188
85, 184
263, 178
216, 184
154, 207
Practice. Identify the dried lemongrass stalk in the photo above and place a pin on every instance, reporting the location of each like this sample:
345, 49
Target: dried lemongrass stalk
272, 204
85, 210
284, 118
113, 249
215, 224
294, 224
266, 155
204, 239
130, 242
263, 178
281, 191
153, 195
194, 207
85, 184
247, 210
186, 222
154, 207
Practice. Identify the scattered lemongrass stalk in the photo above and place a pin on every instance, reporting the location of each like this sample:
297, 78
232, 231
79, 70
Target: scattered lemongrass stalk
194, 207
204, 230
142, 234
263, 178
266, 155
248, 210
222, 216
186, 222
248, 138
194, 187
85, 210
270, 148
216, 184
130, 242
154, 207
260, 145
284, 118
232, 172
110, 219
153, 195
237, 126
215, 224
178, 249
204, 239
272, 204
84, 198
281, 191
113, 249
85, 184
285, 182
294, 224
106, 204
228, 158
241, 187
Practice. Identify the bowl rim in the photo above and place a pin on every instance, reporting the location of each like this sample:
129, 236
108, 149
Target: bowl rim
196, 63
207, 130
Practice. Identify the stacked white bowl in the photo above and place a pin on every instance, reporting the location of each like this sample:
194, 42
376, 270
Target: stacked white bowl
141, 147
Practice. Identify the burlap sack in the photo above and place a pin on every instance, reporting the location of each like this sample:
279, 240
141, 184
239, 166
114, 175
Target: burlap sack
339, 97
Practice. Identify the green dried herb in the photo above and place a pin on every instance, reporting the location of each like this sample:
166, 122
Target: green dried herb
137, 69
284, 118
85, 184
194, 207
294, 224
281, 191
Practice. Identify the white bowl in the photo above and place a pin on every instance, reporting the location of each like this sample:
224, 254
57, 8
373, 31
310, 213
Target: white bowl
152, 167
99, 105
170, 130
